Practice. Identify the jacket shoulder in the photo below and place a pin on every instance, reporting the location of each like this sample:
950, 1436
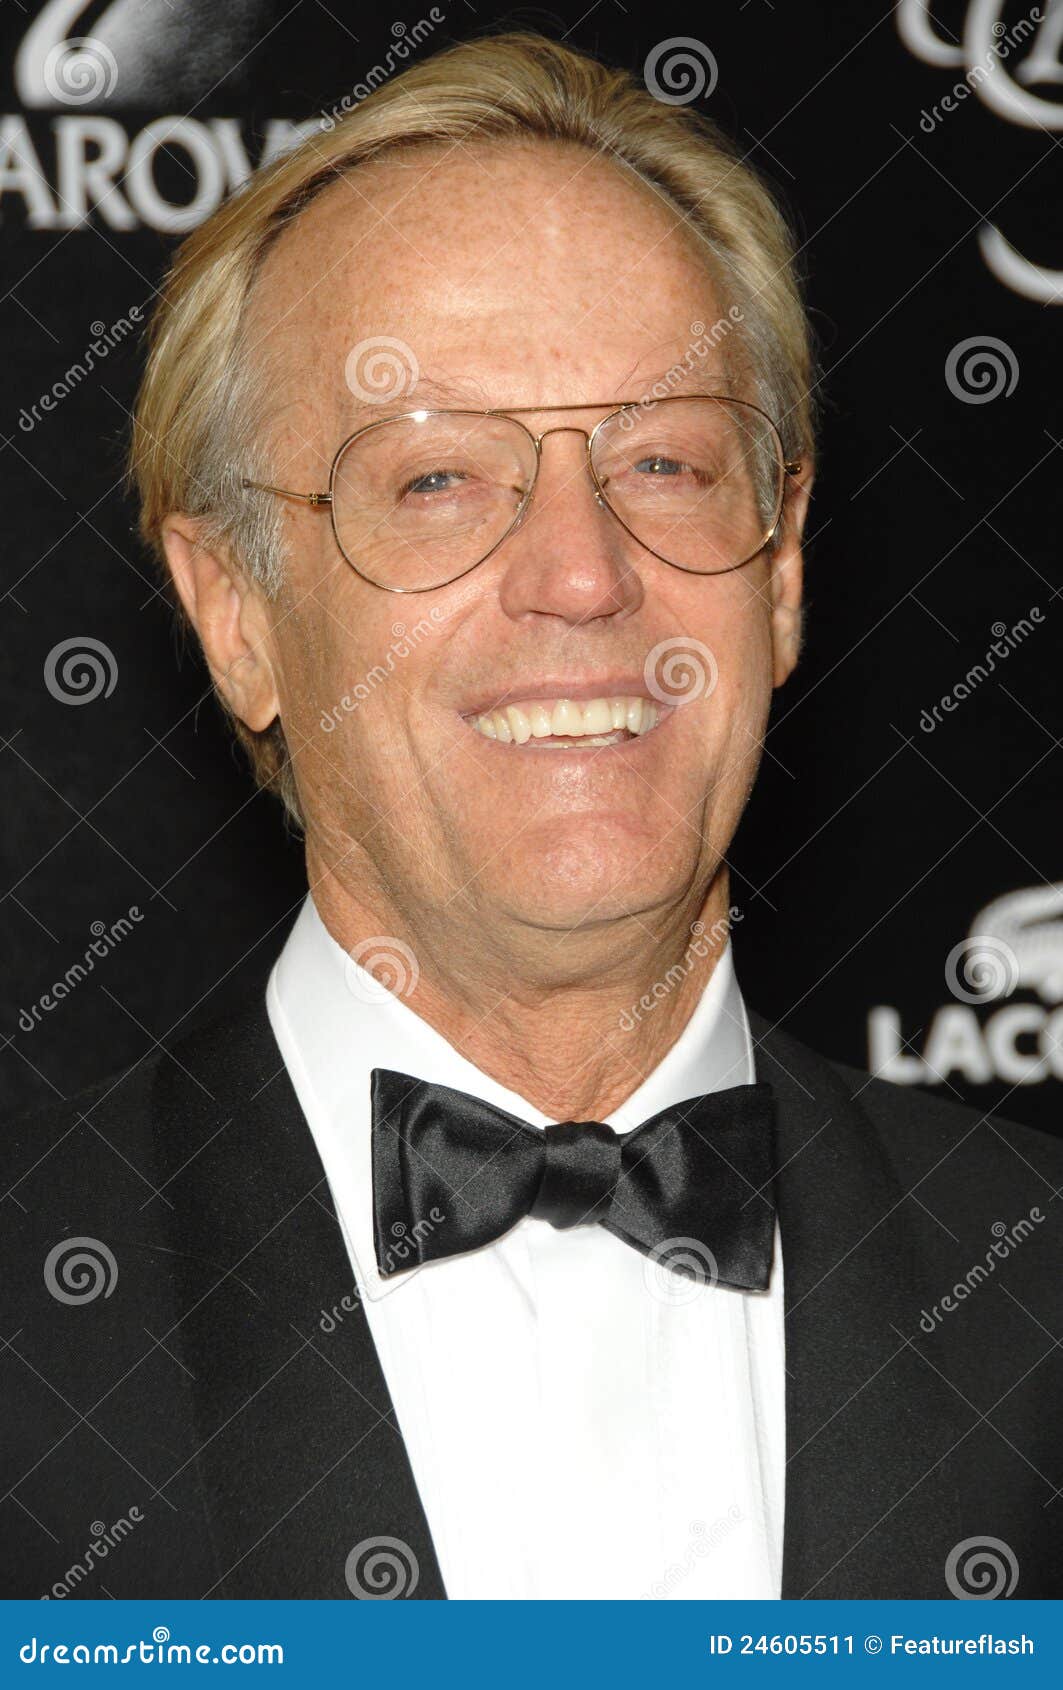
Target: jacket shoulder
127, 1133
918, 1128
49, 1148
911, 1119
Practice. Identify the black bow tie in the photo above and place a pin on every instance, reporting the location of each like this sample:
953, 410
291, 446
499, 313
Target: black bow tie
690, 1188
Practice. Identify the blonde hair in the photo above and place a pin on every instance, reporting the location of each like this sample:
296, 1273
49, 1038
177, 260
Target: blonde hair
197, 426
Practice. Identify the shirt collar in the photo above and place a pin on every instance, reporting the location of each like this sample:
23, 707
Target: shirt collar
334, 1024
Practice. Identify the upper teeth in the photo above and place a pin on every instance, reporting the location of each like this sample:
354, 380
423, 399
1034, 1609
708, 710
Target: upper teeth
567, 717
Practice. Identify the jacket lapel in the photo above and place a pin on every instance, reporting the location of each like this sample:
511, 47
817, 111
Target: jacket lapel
871, 1509
300, 1462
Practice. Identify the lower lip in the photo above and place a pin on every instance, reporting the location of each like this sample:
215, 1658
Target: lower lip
576, 748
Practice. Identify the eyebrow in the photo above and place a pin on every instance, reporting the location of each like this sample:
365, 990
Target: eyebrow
428, 395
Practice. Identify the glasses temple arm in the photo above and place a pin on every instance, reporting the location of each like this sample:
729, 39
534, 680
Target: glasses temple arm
287, 493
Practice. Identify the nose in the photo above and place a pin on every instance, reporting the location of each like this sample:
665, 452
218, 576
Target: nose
569, 558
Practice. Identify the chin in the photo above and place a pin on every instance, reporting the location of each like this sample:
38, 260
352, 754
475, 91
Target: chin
568, 877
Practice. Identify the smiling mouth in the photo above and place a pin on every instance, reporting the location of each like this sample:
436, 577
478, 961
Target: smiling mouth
567, 724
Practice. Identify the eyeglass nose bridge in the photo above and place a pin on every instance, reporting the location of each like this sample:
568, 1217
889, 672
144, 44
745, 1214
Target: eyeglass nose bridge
560, 428
588, 441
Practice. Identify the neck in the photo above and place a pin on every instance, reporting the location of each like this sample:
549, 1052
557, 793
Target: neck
575, 1041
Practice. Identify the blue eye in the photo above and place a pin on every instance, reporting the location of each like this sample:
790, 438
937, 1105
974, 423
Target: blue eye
433, 481
659, 465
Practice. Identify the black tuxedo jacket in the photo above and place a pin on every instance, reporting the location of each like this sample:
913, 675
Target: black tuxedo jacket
222, 1383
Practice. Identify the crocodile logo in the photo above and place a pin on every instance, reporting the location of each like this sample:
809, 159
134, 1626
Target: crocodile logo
1029, 926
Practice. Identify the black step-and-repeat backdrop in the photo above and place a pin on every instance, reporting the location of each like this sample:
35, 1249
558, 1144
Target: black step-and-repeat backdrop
899, 873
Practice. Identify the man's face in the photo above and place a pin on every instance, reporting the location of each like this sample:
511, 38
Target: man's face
514, 276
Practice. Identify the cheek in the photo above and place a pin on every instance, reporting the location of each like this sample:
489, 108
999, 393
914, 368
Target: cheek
344, 698
723, 663
751, 677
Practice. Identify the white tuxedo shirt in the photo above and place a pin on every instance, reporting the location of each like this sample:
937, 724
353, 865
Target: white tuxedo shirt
579, 1421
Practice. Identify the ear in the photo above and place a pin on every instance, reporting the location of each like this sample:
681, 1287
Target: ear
231, 617
786, 580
